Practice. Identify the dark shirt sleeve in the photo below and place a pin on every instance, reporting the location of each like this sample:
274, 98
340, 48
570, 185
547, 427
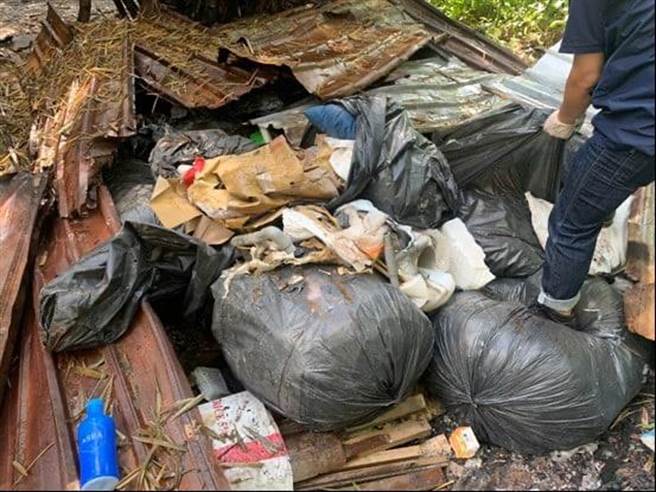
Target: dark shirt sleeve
584, 32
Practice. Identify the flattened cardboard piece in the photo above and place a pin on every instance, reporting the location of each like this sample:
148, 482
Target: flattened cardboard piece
171, 208
212, 232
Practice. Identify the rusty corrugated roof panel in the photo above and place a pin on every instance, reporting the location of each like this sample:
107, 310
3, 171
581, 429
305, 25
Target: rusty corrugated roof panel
472, 47
333, 50
55, 34
19, 206
33, 421
437, 93
176, 59
97, 110
218, 85
78, 153
129, 374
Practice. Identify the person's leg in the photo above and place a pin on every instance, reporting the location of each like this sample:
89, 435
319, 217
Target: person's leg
598, 181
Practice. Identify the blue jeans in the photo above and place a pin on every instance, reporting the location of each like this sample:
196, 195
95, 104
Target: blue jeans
598, 180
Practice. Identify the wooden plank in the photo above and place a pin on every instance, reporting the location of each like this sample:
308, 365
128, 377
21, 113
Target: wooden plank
412, 404
397, 435
312, 454
639, 299
639, 303
365, 447
348, 477
425, 479
434, 447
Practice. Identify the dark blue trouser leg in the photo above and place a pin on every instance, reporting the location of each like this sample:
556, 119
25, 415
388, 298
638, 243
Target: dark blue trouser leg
598, 180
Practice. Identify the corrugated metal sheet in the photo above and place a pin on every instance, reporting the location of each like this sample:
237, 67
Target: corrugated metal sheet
437, 92
219, 84
19, 205
55, 34
333, 50
472, 47
177, 59
48, 391
542, 85
81, 136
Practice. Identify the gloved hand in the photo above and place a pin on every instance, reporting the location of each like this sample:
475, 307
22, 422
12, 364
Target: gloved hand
556, 128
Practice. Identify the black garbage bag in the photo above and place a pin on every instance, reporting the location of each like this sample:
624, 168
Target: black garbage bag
131, 183
505, 150
181, 147
93, 303
526, 383
327, 351
395, 167
501, 225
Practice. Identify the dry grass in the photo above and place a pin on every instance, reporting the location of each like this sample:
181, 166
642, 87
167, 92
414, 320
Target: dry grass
98, 50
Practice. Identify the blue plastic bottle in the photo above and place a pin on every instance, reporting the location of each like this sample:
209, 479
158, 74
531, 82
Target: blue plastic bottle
96, 440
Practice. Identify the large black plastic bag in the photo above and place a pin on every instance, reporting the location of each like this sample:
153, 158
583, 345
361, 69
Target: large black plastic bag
501, 225
181, 147
505, 150
395, 167
131, 184
93, 303
526, 383
329, 352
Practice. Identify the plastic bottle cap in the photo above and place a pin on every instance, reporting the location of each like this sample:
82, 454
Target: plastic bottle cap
95, 407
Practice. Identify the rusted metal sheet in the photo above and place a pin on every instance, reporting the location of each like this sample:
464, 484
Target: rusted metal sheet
333, 50
474, 48
437, 93
55, 34
19, 206
33, 422
81, 137
203, 83
639, 299
177, 59
89, 142
133, 375
78, 153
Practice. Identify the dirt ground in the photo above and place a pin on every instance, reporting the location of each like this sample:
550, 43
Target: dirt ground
618, 460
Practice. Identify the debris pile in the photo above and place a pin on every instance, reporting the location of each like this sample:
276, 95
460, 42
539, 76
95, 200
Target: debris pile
316, 213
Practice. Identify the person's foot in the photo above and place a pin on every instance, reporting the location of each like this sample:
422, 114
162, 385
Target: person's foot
566, 318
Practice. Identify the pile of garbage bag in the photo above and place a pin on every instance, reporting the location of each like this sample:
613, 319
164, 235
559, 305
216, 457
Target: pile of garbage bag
324, 262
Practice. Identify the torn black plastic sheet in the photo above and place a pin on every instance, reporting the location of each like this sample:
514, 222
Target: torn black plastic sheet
505, 151
395, 167
501, 225
93, 303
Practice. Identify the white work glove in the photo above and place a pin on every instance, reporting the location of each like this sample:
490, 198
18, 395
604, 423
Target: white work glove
556, 128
